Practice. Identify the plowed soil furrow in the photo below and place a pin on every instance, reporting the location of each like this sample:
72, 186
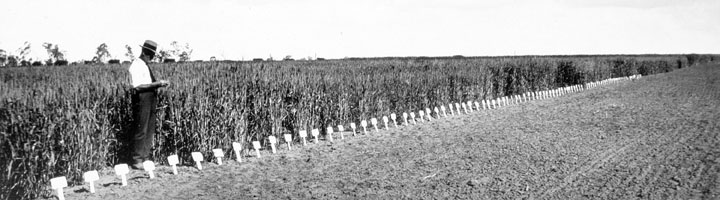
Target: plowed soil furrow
653, 138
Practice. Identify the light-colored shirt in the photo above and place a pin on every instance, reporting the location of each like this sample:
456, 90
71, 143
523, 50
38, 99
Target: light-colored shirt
139, 73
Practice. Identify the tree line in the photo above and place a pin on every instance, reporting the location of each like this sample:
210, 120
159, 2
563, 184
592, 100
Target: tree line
176, 51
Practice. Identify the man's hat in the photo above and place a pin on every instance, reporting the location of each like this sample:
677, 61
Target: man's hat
150, 45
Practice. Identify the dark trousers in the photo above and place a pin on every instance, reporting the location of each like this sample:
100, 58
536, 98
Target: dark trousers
143, 127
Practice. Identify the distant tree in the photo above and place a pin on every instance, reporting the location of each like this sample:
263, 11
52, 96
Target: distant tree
129, 53
3, 57
12, 61
288, 58
180, 51
212, 58
54, 53
101, 54
161, 55
23, 51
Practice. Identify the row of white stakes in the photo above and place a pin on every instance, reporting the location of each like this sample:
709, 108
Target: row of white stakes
122, 170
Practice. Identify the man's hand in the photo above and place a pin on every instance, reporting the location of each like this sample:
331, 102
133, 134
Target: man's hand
163, 83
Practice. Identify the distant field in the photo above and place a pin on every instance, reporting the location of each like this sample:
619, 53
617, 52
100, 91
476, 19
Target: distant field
62, 121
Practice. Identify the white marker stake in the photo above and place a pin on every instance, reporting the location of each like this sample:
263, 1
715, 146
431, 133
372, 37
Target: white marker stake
394, 118
329, 131
484, 104
428, 113
219, 154
422, 115
469, 105
236, 148
437, 112
352, 126
477, 106
493, 104
58, 184
465, 108
90, 177
450, 107
198, 158
316, 134
288, 140
341, 129
412, 117
173, 161
442, 108
374, 123
303, 136
256, 146
273, 141
385, 121
405, 116
149, 168
122, 171
364, 124
457, 106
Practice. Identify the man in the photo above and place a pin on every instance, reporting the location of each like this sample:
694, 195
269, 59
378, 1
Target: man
144, 103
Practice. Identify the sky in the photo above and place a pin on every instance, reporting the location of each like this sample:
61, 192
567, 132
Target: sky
246, 29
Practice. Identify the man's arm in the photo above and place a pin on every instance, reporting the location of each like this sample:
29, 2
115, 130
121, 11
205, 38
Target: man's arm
152, 86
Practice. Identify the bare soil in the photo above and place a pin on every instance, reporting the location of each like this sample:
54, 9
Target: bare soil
653, 138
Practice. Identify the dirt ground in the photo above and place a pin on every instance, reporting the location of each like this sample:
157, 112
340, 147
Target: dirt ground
653, 138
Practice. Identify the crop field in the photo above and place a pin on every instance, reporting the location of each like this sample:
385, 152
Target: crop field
649, 138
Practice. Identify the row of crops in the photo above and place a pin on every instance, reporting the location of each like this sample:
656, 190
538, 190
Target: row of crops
64, 121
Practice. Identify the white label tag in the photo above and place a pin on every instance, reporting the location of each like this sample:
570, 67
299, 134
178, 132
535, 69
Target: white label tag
218, 153
149, 165
341, 128
315, 132
121, 169
352, 126
393, 116
373, 121
236, 146
256, 146
363, 123
385, 119
288, 138
58, 182
303, 134
197, 156
91, 176
173, 160
272, 140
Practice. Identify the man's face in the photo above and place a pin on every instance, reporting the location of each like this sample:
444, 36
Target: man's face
148, 54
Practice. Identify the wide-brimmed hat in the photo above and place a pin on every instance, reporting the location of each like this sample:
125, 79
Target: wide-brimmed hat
150, 45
